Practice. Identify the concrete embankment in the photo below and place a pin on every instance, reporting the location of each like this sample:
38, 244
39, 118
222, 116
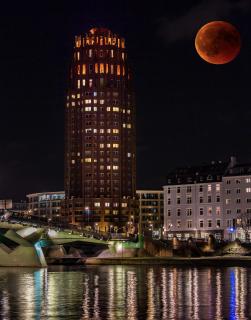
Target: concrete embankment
174, 261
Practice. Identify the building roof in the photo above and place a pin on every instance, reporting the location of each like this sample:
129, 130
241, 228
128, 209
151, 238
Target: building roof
239, 170
212, 172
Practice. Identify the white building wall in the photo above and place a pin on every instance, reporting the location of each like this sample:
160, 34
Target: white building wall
186, 225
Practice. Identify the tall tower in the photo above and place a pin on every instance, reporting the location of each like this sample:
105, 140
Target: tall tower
100, 144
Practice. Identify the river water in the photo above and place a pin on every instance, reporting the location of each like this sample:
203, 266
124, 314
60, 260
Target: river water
125, 292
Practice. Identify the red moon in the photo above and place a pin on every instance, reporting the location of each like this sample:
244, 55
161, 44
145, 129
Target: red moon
218, 42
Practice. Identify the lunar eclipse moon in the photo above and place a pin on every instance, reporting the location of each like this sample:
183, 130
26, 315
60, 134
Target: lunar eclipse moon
218, 42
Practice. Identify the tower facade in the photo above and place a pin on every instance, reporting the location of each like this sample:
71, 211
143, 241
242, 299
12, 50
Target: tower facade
100, 144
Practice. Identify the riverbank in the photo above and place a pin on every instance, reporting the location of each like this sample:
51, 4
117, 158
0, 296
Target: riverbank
174, 261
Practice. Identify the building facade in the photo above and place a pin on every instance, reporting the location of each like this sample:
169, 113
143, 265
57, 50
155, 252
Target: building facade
193, 202
151, 211
100, 155
237, 202
45, 205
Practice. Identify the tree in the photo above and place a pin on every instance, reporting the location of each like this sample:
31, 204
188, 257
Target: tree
244, 222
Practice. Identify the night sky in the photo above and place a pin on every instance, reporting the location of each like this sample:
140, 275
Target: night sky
188, 111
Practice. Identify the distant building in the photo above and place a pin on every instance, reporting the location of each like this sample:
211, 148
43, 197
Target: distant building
5, 204
193, 201
151, 210
100, 143
45, 204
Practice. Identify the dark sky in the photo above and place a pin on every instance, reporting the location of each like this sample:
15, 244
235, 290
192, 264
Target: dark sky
188, 111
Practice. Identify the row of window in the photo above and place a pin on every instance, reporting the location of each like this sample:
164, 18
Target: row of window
189, 200
101, 68
99, 40
202, 224
100, 54
201, 211
201, 188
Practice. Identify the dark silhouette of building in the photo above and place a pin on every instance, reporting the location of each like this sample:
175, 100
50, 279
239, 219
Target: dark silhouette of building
100, 159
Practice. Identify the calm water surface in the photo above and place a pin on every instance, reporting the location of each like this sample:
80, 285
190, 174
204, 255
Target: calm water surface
125, 292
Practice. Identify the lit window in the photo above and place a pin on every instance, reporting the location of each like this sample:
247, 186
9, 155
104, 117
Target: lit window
108, 145
90, 53
88, 159
95, 101
248, 180
115, 167
83, 69
209, 188
112, 69
112, 54
107, 204
129, 155
118, 70
123, 56
124, 204
129, 126
101, 145
96, 204
96, 67
90, 83
73, 161
95, 108
83, 82
218, 187
102, 101
124, 125
128, 111
87, 101
78, 84
101, 68
108, 167
115, 109
88, 108
102, 130
78, 69
115, 145
95, 93
108, 109
108, 130
73, 104
106, 68
248, 190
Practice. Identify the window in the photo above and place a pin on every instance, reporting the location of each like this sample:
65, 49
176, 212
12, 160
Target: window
209, 223
83, 69
238, 190
189, 212
201, 223
168, 190
248, 180
189, 223
201, 211
178, 212
178, 189
248, 190
201, 199
248, 210
217, 223
107, 204
209, 199
218, 211
228, 211
189, 189
189, 199
237, 181
217, 198
101, 68
178, 223
169, 213
228, 181
209, 188
228, 191
169, 201
238, 200
178, 200
217, 187
96, 204
201, 189
227, 201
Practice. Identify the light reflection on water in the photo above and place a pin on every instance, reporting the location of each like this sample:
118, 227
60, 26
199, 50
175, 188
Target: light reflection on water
125, 292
